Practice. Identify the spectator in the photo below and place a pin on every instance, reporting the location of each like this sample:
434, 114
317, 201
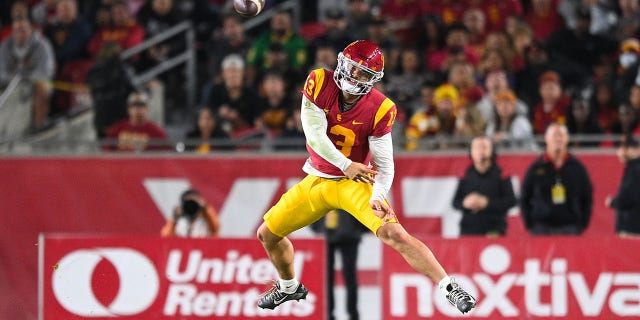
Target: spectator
231, 39
496, 81
44, 12
462, 76
69, 34
553, 107
451, 11
109, 85
483, 195
193, 218
521, 39
581, 117
276, 104
579, 46
343, 234
456, 49
28, 54
335, 32
137, 133
634, 99
475, 21
18, 9
626, 202
628, 23
293, 136
378, 32
208, 135
276, 60
508, 128
403, 86
233, 102
537, 62
603, 15
437, 121
605, 103
202, 15
156, 17
627, 67
557, 194
359, 16
497, 11
432, 39
501, 42
627, 121
469, 122
403, 18
281, 32
325, 57
544, 18
122, 29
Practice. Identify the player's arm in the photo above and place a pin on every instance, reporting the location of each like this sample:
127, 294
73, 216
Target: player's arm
382, 155
314, 124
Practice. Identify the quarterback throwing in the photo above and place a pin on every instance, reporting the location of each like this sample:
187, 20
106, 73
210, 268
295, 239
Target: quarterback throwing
346, 120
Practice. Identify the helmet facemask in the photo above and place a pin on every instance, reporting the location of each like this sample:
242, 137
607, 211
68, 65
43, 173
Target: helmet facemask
354, 78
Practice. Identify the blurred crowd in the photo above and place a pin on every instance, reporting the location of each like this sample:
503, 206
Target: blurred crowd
456, 69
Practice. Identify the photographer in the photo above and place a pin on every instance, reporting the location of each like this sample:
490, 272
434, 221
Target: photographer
193, 218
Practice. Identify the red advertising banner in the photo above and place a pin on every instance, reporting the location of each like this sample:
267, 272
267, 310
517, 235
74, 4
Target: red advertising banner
531, 278
152, 278
134, 195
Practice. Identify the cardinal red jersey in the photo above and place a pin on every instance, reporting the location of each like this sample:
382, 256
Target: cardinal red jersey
373, 115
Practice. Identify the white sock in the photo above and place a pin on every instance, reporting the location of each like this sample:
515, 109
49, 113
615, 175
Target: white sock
443, 284
288, 286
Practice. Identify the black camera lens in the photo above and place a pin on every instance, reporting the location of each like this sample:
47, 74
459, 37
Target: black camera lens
190, 208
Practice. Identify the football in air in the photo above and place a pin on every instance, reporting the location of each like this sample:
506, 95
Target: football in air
248, 8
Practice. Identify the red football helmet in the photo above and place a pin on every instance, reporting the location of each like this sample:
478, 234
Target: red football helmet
360, 65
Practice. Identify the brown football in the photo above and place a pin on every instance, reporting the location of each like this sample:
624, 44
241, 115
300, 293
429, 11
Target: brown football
248, 8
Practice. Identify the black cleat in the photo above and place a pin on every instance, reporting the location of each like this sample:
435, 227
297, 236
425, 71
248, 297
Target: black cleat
274, 297
460, 298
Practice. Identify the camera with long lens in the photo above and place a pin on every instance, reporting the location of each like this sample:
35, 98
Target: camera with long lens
190, 208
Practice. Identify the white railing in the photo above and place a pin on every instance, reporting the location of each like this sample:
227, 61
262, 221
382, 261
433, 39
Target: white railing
9, 89
188, 57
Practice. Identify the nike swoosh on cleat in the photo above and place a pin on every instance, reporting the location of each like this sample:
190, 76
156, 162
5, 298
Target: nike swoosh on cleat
277, 302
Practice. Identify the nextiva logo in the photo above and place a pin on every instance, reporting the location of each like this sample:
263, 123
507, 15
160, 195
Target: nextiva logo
545, 293
131, 274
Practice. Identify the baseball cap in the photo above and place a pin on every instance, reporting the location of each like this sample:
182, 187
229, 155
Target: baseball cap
446, 91
233, 61
138, 98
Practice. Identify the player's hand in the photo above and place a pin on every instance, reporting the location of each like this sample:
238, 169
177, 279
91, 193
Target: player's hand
359, 172
382, 210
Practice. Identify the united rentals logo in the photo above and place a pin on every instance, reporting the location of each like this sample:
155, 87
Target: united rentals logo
168, 281
137, 282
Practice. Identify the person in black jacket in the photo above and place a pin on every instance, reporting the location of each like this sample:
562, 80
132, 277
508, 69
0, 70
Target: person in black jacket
109, 84
557, 194
626, 202
483, 195
343, 233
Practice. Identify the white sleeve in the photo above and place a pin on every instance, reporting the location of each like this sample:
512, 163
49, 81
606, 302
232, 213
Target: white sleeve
382, 156
314, 124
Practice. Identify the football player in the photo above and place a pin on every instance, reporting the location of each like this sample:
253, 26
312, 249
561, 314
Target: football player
344, 119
